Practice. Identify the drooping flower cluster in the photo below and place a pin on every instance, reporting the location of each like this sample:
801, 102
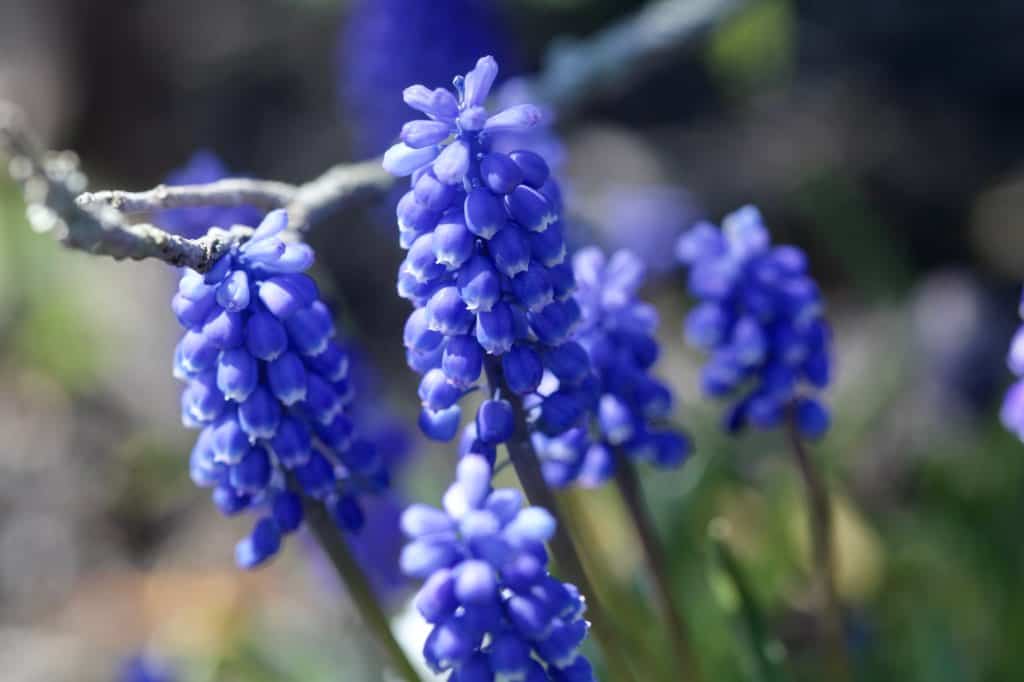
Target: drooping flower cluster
204, 166
761, 319
387, 44
1012, 413
264, 379
617, 333
497, 613
486, 264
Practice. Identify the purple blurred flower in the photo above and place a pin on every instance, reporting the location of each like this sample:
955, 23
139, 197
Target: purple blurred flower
388, 44
646, 219
144, 668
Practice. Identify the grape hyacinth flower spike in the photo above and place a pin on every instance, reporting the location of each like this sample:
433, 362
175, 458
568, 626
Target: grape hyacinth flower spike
496, 612
485, 271
266, 384
616, 338
485, 265
760, 318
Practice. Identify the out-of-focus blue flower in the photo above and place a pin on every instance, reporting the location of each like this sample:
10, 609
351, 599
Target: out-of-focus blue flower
485, 264
387, 44
1012, 413
268, 386
646, 219
615, 338
760, 318
959, 330
379, 544
145, 668
497, 613
204, 167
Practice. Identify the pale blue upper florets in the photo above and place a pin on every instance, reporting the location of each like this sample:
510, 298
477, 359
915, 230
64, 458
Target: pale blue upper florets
485, 266
267, 385
761, 319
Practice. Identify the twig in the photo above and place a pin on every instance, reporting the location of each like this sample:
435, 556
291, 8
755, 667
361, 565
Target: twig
819, 510
97, 223
524, 460
307, 203
50, 182
657, 561
578, 72
334, 190
266, 194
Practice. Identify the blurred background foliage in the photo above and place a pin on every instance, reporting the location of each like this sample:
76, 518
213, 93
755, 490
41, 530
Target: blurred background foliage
885, 138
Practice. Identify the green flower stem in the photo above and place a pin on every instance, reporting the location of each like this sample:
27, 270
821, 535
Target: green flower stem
333, 543
819, 510
759, 642
657, 562
527, 467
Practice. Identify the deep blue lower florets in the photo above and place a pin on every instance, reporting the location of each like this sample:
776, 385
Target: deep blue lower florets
761, 319
267, 385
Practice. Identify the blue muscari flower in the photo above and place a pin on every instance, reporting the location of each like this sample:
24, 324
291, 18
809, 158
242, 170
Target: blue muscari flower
1012, 412
616, 338
267, 385
144, 668
204, 166
387, 44
497, 613
760, 319
485, 265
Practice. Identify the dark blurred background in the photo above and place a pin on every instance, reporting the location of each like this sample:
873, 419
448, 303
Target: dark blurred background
884, 138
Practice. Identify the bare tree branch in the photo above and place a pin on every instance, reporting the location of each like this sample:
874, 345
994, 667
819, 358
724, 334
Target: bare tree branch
50, 182
575, 74
266, 194
333, 190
